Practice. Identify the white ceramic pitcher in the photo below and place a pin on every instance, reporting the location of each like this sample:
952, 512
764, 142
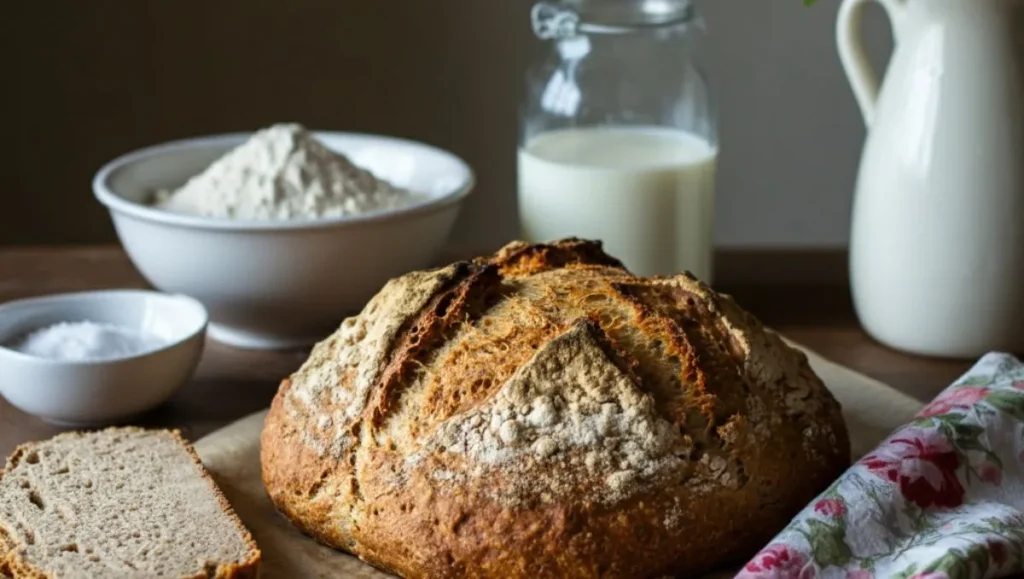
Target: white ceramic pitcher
937, 246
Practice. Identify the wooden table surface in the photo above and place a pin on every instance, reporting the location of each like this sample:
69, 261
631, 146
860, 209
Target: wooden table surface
231, 383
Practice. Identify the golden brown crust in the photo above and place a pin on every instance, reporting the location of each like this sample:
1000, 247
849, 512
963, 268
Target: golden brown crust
14, 566
11, 563
522, 259
544, 413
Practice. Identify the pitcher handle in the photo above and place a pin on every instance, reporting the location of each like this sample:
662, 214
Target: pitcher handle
854, 58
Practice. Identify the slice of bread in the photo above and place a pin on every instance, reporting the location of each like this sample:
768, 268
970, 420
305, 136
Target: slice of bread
119, 503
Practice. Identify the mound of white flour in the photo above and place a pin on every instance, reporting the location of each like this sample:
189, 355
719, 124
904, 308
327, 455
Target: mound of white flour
282, 172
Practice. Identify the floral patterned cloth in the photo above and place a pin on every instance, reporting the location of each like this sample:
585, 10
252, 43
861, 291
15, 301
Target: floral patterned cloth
942, 497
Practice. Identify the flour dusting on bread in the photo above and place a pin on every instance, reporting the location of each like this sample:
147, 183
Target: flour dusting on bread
566, 419
542, 412
344, 368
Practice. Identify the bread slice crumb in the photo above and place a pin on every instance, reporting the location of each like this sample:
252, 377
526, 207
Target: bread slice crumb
118, 503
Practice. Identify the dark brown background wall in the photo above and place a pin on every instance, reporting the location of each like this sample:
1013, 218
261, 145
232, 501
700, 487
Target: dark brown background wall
85, 81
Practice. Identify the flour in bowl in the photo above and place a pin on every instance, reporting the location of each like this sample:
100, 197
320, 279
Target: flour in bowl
283, 172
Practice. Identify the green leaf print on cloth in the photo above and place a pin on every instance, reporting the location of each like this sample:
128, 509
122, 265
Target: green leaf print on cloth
1010, 402
828, 545
942, 497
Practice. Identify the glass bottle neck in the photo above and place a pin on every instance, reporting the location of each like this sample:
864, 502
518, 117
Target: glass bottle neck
629, 13
565, 18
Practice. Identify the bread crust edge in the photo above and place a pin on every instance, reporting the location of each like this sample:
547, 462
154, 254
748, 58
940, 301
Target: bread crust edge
301, 485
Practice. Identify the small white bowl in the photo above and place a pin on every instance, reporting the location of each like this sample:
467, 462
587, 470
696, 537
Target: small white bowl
281, 284
88, 393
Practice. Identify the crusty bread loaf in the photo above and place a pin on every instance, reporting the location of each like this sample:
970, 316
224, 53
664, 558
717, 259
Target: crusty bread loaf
543, 413
119, 503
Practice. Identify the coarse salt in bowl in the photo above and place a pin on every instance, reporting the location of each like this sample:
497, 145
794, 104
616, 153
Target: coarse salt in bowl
86, 341
96, 358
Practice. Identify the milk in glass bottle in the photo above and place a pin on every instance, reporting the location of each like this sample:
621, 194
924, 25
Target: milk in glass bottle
618, 133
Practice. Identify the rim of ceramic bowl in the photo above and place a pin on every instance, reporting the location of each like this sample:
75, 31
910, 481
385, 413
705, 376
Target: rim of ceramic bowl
196, 305
115, 202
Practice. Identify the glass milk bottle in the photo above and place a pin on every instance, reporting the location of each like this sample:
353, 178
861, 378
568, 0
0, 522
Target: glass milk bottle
618, 135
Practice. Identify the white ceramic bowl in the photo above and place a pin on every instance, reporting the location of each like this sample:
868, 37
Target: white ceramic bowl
282, 284
102, 391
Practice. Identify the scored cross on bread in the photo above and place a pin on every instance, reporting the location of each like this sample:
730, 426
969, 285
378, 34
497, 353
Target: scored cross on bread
544, 413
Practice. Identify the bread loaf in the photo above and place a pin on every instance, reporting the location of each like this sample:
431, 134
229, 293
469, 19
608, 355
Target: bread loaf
544, 413
119, 503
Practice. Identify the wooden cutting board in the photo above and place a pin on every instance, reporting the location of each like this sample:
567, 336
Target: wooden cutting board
872, 410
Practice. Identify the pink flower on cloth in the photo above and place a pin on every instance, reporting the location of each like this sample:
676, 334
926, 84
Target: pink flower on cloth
990, 473
830, 507
924, 464
778, 561
939, 495
963, 397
